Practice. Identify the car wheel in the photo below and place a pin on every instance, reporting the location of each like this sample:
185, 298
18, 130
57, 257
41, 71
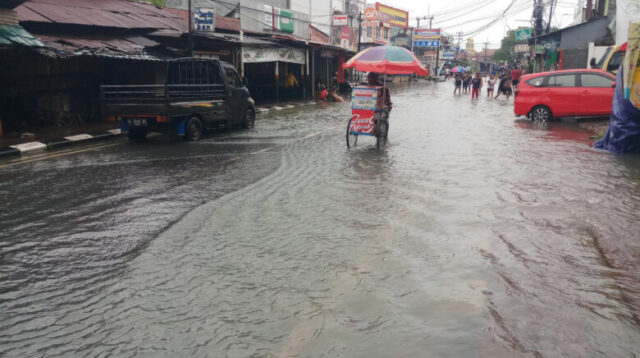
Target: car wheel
541, 114
193, 130
249, 119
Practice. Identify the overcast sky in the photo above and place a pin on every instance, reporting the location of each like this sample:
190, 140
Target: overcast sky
473, 15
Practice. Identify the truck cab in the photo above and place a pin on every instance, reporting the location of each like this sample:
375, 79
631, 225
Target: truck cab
196, 94
612, 59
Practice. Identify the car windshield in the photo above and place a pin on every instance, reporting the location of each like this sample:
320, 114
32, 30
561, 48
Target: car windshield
604, 57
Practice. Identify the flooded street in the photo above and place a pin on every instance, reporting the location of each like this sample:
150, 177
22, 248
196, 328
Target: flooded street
469, 235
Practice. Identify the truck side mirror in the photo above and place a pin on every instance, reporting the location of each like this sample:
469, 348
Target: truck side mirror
592, 62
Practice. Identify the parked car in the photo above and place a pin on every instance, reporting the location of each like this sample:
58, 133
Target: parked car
567, 93
196, 94
612, 59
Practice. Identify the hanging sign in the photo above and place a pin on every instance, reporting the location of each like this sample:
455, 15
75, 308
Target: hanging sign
340, 20
204, 19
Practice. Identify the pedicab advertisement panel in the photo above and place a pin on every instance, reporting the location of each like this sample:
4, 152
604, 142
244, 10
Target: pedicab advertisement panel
363, 109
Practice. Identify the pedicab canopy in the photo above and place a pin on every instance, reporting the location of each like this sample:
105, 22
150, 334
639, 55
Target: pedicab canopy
391, 60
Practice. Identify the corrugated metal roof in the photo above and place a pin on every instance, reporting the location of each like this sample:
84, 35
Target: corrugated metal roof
224, 23
8, 17
17, 35
104, 13
128, 47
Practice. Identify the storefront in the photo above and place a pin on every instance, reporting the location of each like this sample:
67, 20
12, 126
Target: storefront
275, 72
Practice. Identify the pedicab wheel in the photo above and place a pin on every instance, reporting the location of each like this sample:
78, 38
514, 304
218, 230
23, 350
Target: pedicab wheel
381, 136
352, 139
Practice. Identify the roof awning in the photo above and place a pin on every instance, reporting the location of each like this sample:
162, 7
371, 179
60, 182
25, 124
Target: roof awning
14, 34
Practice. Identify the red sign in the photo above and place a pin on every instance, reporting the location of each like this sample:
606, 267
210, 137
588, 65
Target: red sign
346, 33
371, 14
362, 121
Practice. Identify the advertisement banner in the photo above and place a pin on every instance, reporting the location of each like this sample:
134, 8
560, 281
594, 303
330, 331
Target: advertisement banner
363, 106
424, 35
204, 19
520, 48
392, 16
448, 55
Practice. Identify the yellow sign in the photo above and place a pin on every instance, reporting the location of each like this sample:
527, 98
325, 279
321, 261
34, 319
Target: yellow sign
396, 17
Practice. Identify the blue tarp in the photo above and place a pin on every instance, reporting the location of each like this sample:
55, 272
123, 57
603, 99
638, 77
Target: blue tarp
623, 135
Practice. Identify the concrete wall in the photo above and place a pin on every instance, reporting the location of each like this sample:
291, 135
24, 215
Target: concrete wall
253, 15
252, 12
579, 37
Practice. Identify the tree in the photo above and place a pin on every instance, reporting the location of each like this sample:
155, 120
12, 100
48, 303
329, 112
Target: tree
505, 53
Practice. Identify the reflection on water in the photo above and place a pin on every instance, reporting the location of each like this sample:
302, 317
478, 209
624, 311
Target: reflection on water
466, 236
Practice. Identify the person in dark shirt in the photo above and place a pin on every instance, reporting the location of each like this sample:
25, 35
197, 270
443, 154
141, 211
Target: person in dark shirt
458, 83
465, 83
476, 84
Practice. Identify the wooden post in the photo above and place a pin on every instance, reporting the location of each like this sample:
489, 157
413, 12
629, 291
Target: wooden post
277, 85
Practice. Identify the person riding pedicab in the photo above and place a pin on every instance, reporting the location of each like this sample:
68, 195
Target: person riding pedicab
383, 104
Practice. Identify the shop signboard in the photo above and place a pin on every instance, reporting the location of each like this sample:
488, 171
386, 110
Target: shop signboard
340, 20
370, 14
278, 19
393, 16
204, 19
272, 54
363, 109
448, 55
521, 48
426, 38
523, 34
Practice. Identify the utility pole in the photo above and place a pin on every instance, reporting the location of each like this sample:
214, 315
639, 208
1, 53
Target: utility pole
486, 43
190, 31
241, 41
359, 29
459, 41
550, 15
331, 26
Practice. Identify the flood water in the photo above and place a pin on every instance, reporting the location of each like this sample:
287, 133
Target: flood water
469, 235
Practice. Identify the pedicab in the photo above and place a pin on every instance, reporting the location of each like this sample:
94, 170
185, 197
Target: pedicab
369, 112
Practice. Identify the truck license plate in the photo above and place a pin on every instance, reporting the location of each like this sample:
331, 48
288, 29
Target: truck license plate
138, 122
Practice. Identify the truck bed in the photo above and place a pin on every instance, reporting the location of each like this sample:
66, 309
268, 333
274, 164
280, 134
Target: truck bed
156, 99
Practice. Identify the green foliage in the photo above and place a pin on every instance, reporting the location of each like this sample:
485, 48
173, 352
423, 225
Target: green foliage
463, 62
505, 53
157, 2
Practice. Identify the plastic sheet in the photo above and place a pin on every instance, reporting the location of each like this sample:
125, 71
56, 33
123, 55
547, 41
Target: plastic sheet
623, 135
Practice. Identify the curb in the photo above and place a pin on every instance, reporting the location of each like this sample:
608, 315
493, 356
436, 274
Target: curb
261, 110
38, 147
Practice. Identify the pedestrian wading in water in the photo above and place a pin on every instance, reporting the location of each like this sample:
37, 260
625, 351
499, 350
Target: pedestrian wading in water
476, 84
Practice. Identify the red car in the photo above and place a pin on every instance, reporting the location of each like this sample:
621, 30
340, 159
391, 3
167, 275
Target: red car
567, 93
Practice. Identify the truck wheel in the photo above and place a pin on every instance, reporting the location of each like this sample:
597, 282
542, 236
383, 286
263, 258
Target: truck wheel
193, 129
249, 119
136, 135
